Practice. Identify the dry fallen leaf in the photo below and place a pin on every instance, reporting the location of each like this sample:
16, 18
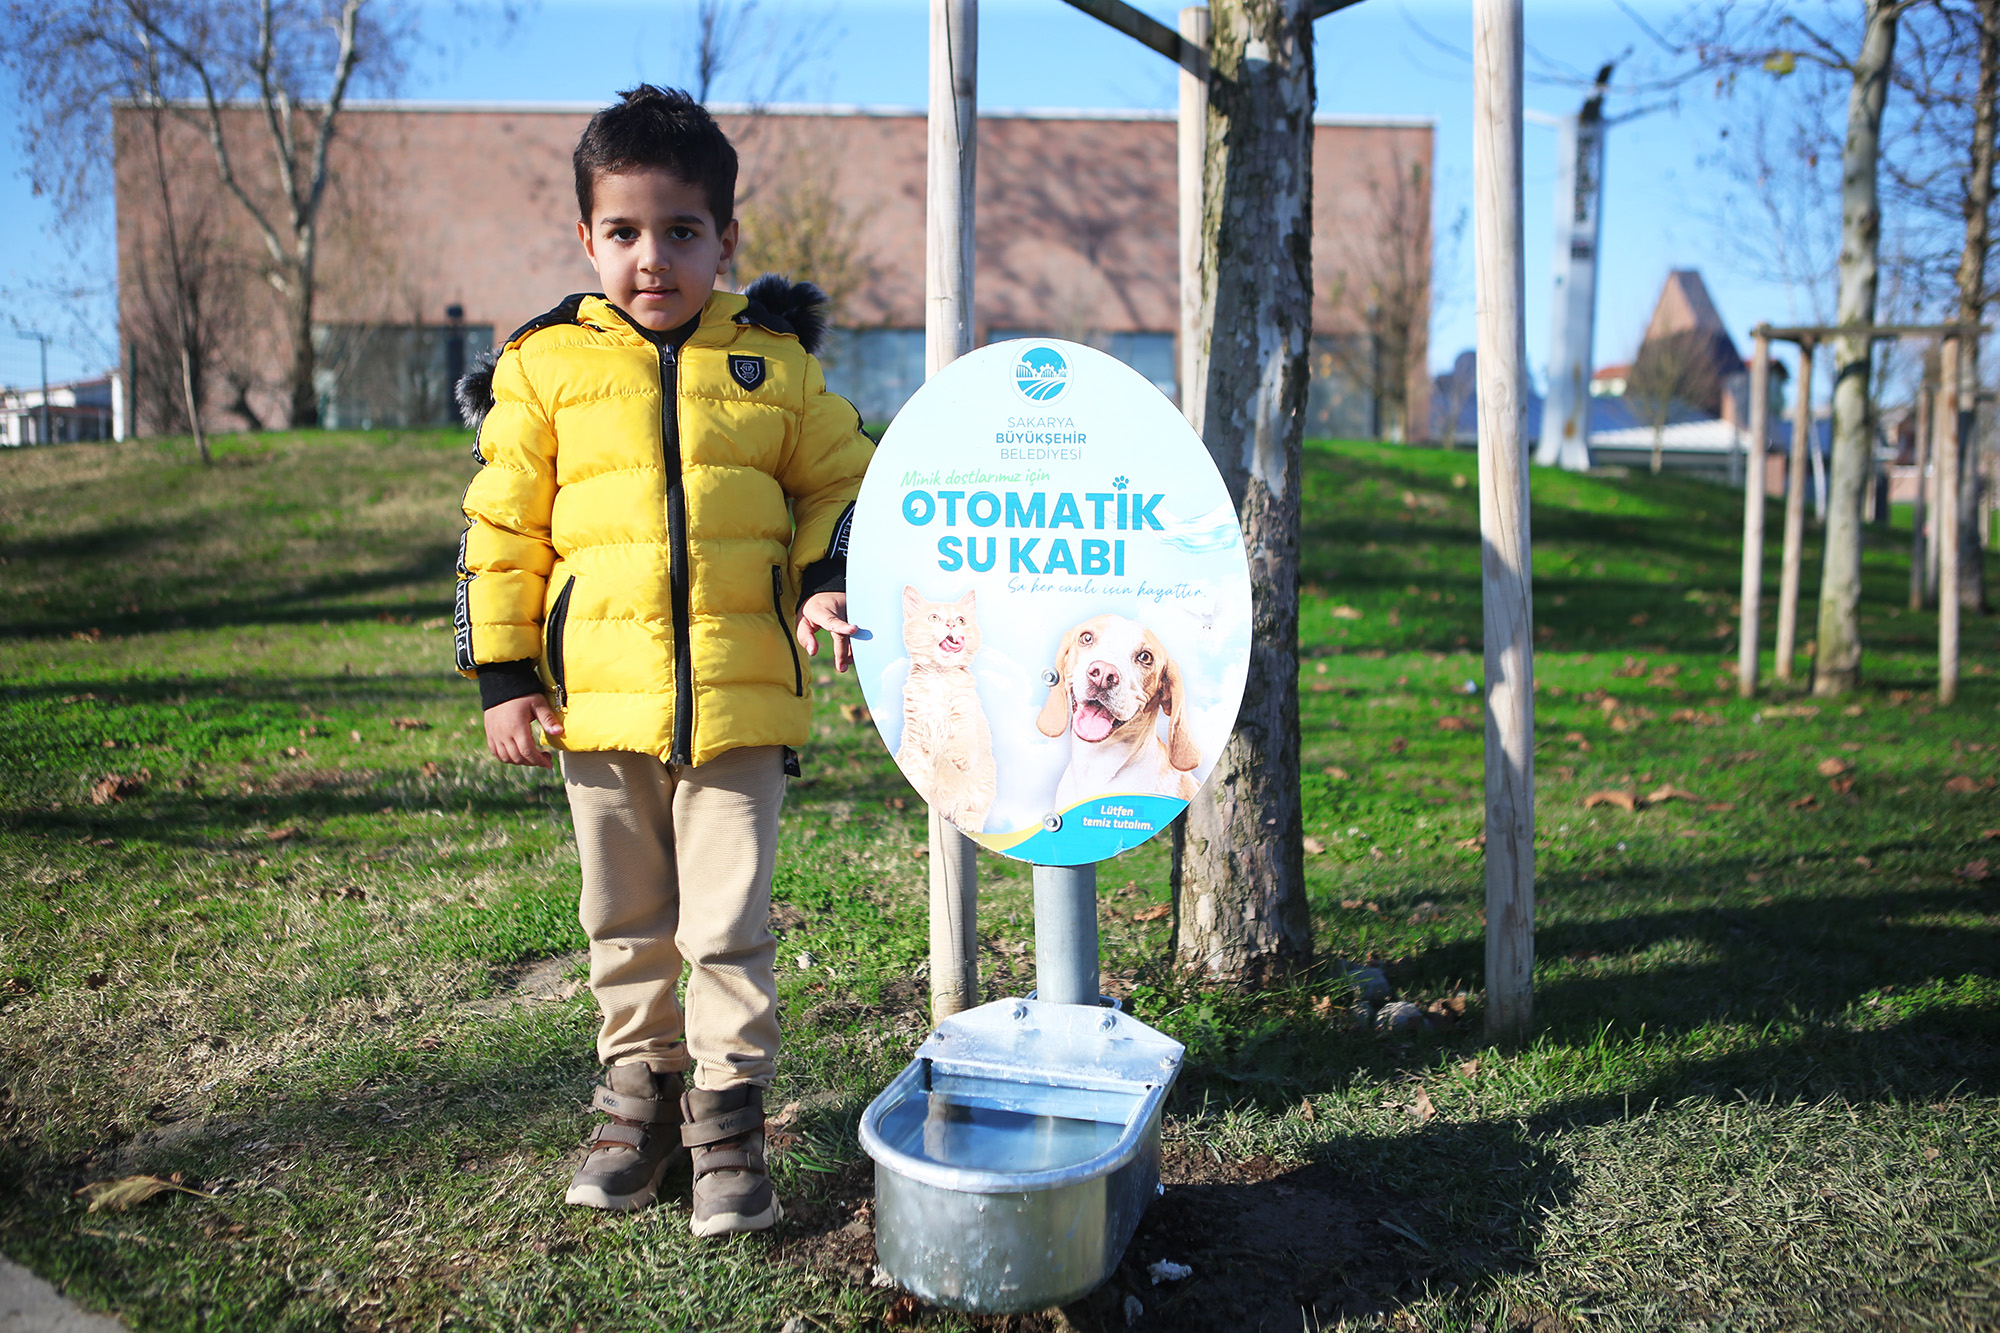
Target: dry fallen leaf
1990, 834
129, 1192
1667, 791
1470, 1069
1717, 807
1157, 912
1336, 772
1347, 613
1806, 803
115, 787
1398, 745
281, 834
1450, 723
1476, 840
1842, 786
1421, 1107
1306, 1110
1975, 870
1833, 768
1313, 846
1961, 783
97, 980
430, 768
1627, 801
429, 1043
856, 713
409, 724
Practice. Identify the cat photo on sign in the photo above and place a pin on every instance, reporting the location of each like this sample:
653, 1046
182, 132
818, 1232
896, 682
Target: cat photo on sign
947, 747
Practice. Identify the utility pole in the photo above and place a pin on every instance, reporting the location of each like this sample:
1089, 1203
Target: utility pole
948, 326
43, 339
1573, 316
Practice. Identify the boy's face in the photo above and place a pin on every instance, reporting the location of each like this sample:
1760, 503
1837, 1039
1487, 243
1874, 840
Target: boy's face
655, 246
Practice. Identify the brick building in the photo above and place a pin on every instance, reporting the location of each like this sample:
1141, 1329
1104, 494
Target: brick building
448, 225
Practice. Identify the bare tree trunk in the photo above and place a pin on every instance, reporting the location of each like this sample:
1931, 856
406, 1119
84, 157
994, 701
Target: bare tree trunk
184, 330
1837, 663
1978, 206
299, 314
1243, 915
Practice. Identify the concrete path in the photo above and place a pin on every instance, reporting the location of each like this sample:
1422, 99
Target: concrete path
30, 1305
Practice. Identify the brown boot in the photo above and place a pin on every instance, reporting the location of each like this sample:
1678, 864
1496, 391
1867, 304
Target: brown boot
629, 1154
725, 1133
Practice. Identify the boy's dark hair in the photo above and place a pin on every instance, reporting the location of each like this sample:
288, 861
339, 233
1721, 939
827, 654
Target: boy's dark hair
663, 128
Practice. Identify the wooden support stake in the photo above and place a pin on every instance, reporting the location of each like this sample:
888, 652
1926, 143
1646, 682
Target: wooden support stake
1948, 443
1193, 144
1919, 558
948, 334
1795, 521
1752, 595
1503, 521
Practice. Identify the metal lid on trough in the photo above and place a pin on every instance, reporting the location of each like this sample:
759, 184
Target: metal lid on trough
1033, 1041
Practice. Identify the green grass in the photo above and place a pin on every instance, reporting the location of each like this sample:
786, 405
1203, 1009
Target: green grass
319, 956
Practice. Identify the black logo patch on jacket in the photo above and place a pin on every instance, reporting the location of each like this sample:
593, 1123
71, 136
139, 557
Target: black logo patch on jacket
747, 371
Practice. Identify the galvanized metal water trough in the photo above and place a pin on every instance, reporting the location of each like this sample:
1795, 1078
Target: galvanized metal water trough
1015, 1154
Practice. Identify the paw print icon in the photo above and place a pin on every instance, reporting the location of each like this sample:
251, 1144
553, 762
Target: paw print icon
1119, 483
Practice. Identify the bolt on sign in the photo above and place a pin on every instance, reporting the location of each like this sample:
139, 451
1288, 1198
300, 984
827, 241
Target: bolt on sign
1057, 599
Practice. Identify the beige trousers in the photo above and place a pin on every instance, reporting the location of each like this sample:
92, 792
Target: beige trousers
677, 872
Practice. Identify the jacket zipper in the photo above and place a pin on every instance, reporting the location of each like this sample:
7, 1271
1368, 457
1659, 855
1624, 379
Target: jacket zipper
552, 652
791, 640
677, 557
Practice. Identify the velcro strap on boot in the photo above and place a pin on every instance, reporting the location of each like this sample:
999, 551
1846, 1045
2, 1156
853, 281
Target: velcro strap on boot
630, 1135
725, 1126
728, 1159
649, 1110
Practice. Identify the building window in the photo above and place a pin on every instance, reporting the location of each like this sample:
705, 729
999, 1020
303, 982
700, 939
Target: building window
394, 375
1151, 354
875, 369
1339, 405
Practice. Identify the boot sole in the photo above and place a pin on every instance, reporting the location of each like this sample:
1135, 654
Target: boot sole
594, 1196
734, 1224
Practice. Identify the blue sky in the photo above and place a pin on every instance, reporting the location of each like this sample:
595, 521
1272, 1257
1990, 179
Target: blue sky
1400, 57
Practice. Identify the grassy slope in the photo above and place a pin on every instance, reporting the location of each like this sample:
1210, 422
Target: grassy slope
300, 964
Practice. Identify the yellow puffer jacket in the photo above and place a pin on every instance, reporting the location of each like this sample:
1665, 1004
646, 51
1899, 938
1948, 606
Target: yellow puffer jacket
649, 560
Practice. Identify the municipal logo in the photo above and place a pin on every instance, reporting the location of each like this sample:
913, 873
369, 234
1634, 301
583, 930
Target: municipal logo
747, 371
1041, 375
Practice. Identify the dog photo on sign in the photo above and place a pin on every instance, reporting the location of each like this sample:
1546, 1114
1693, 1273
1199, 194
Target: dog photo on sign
947, 748
1113, 685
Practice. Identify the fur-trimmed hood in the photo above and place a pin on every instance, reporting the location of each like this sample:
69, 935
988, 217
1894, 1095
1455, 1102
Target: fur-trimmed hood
773, 302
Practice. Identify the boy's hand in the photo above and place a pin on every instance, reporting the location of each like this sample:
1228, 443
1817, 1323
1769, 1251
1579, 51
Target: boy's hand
510, 735
826, 611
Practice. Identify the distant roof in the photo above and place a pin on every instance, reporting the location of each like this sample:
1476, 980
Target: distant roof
407, 106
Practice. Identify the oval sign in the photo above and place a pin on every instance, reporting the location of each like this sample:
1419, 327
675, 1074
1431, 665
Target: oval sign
1053, 580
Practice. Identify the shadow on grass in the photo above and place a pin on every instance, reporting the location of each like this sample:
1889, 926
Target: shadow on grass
329, 598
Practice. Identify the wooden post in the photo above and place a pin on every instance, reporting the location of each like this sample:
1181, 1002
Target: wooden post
1948, 444
1795, 520
1919, 558
1752, 594
1503, 521
1193, 145
948, 330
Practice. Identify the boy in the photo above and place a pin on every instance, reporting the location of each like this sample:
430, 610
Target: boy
659, 526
